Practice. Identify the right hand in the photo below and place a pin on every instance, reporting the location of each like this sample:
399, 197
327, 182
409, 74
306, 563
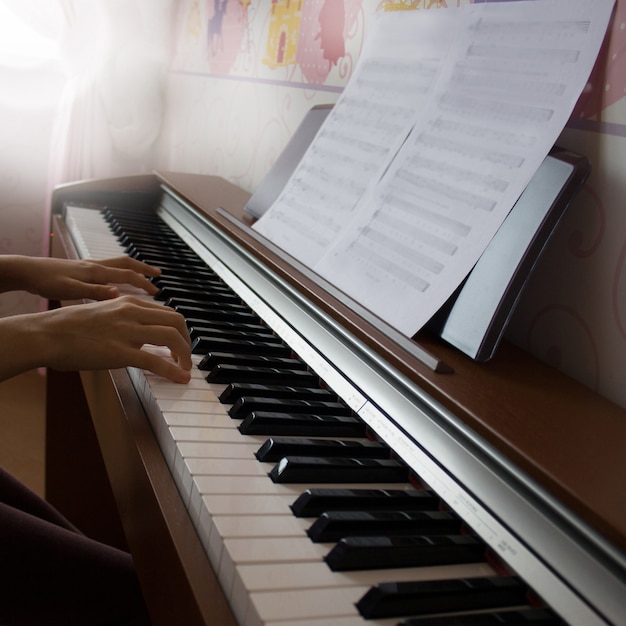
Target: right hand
111, 334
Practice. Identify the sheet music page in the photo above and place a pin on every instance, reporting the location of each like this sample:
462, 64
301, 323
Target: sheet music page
502, 91
395, 75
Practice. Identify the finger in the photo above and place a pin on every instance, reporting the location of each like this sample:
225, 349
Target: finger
171, 339
108, 275
147, 360
155, 314
77, 289
101, 292
140, 322
129, 263
165, 353
164, 323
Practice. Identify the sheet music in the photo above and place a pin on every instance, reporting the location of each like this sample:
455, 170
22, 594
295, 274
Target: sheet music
393, 80
500, 94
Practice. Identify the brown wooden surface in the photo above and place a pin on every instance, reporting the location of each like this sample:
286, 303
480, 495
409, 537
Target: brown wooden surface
176, 577
567, 437
76, 481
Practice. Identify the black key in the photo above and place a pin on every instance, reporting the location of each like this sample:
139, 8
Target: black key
183, 287
197, 273
127, 236
205, 336
523, 617
133, 218
199, 346
176, 268
223, 328
205, 296
199, 294
302, 469
167, 253
194, 322
314, 502
204, 327
334, 525
276, 448
176, 248
190, 283
130, 241
247, 404
262, 375
441, 596
213, 359
360, 553
234, 391
213, 342
262, 423
171, 265
227, 314
206, 312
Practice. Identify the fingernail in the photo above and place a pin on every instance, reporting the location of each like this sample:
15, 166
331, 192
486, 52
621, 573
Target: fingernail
184, 376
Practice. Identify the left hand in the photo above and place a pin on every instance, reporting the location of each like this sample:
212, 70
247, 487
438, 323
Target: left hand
61, 279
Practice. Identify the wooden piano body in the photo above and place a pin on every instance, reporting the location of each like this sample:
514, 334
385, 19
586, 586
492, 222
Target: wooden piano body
533, 431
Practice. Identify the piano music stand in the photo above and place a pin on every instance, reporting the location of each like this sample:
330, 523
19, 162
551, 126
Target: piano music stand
277, 177
476, 316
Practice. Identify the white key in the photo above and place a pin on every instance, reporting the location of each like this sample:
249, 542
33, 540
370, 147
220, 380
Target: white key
301, 590
231, 526
355, 620
281, 576
301, 604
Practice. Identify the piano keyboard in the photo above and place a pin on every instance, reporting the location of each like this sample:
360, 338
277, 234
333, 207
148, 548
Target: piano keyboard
272, 455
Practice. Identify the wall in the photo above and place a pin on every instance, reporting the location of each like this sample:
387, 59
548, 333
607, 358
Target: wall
243, 74
574, 312
237, 91
27, 119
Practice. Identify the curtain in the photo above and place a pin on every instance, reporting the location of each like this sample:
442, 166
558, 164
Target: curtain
115, 53
87, 98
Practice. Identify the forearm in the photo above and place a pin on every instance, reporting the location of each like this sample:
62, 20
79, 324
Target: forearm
15, 273
23, 345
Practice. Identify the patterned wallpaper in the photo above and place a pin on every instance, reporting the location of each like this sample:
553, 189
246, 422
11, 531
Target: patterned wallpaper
243, 74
